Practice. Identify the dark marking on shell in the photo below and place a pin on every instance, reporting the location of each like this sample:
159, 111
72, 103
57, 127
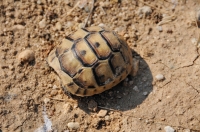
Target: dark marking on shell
77, 91
70, 84
80, 70
97, 44
83, 52
78, 82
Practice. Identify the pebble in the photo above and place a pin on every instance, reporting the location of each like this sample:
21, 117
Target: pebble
159, 28
194, 41
26, 56
160, 77
169, 129
82, 4
92, 105
54, 92
55, 87
18, 27
145, 93
136, 89
67, 108
46, 100
107, 118
145, 10
39, 2
102, 113
42, 24
58, 26
131, 82
73, 125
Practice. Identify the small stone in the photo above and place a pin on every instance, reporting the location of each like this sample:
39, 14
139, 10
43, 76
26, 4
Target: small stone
11, 67
54, 92
68, 24
26, 56
126, 36
102, 113
55, 87
145, 93
159, 77
82, 4
39, 2
131, 82
169, 129
58, 26
49, 85
107, 118
73, 125
117, 129
145, 10
92, 105
42, 24
18, 27
46, 100
101, 25
81, 25
136, 89
194, 41
75, 106
67, 108
159, 28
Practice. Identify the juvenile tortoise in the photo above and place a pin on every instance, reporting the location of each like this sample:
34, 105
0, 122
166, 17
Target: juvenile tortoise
91, 60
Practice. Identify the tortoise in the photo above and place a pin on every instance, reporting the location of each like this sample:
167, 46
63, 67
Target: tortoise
91, 60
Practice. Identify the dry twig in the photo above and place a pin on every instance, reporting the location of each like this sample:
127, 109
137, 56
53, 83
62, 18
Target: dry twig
89, 14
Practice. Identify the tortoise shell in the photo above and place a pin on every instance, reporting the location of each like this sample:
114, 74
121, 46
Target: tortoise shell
91, 60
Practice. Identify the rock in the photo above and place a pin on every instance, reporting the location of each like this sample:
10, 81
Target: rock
82, 4
145, 10
46, 100
73, 125
136, 89
42, 24
67, 108
53, 92
169, 129
159, 28
102, 113
18, 27
58, 26
92, 105
145, 93
39, 2
159, 77
107, 118
131, 82
194, 41
26, 56
55, 87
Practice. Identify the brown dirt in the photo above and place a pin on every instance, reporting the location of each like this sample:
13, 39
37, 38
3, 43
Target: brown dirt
31, 92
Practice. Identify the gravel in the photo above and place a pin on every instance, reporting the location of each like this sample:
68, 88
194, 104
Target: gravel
92, 105
160, 77
42, 24
73, 125
102, 113
26, 56
169, 129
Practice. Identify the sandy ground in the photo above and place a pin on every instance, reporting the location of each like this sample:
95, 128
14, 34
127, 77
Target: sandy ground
165, 40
